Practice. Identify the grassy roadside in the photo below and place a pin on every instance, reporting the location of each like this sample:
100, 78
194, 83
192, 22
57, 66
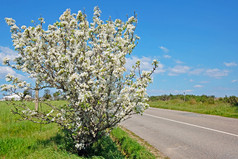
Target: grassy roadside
144, 143
217, 108
130, 147
24, 139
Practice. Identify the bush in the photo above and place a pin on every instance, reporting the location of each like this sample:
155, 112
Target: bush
210, 101
192, 101
233, 100
86, 61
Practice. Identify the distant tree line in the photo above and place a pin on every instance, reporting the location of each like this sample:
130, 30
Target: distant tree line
58, 95
233, 100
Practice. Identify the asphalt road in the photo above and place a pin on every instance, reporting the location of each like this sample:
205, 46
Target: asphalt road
185, 135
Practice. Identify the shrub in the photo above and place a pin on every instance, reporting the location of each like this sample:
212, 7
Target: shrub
192, 101
86, 61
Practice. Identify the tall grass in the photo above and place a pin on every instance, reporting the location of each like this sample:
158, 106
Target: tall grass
216, 108
27, 140
24, 139
130, 147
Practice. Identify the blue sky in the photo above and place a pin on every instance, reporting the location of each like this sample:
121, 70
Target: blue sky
195, 41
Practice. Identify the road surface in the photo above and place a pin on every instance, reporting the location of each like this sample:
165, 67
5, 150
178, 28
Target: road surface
185, 135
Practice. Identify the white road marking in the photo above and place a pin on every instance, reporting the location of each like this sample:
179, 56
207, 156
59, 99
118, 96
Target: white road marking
180, 122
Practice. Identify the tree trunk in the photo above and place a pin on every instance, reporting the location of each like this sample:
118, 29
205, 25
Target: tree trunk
36, 98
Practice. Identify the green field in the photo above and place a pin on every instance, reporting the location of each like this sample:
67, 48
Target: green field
217, 108
24, 139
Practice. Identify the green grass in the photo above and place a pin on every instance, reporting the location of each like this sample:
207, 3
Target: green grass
218, 108
27, 140
130, 147
24, 139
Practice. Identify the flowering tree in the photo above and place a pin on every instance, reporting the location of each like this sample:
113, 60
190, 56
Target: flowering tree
87, 62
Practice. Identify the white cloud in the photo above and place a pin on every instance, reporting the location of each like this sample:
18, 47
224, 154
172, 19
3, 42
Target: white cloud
216, 73
233, 81
167, 56
230, 64
7, 52
188, 91
160, 91
204, 82
164, 49
160, 68
196, 71
198, 86
178, 69
191, 80
178, 62
4, 70
146, 64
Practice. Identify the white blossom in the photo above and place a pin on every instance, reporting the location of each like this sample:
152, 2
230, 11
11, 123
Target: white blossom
87, 62
5, 60
27, 97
